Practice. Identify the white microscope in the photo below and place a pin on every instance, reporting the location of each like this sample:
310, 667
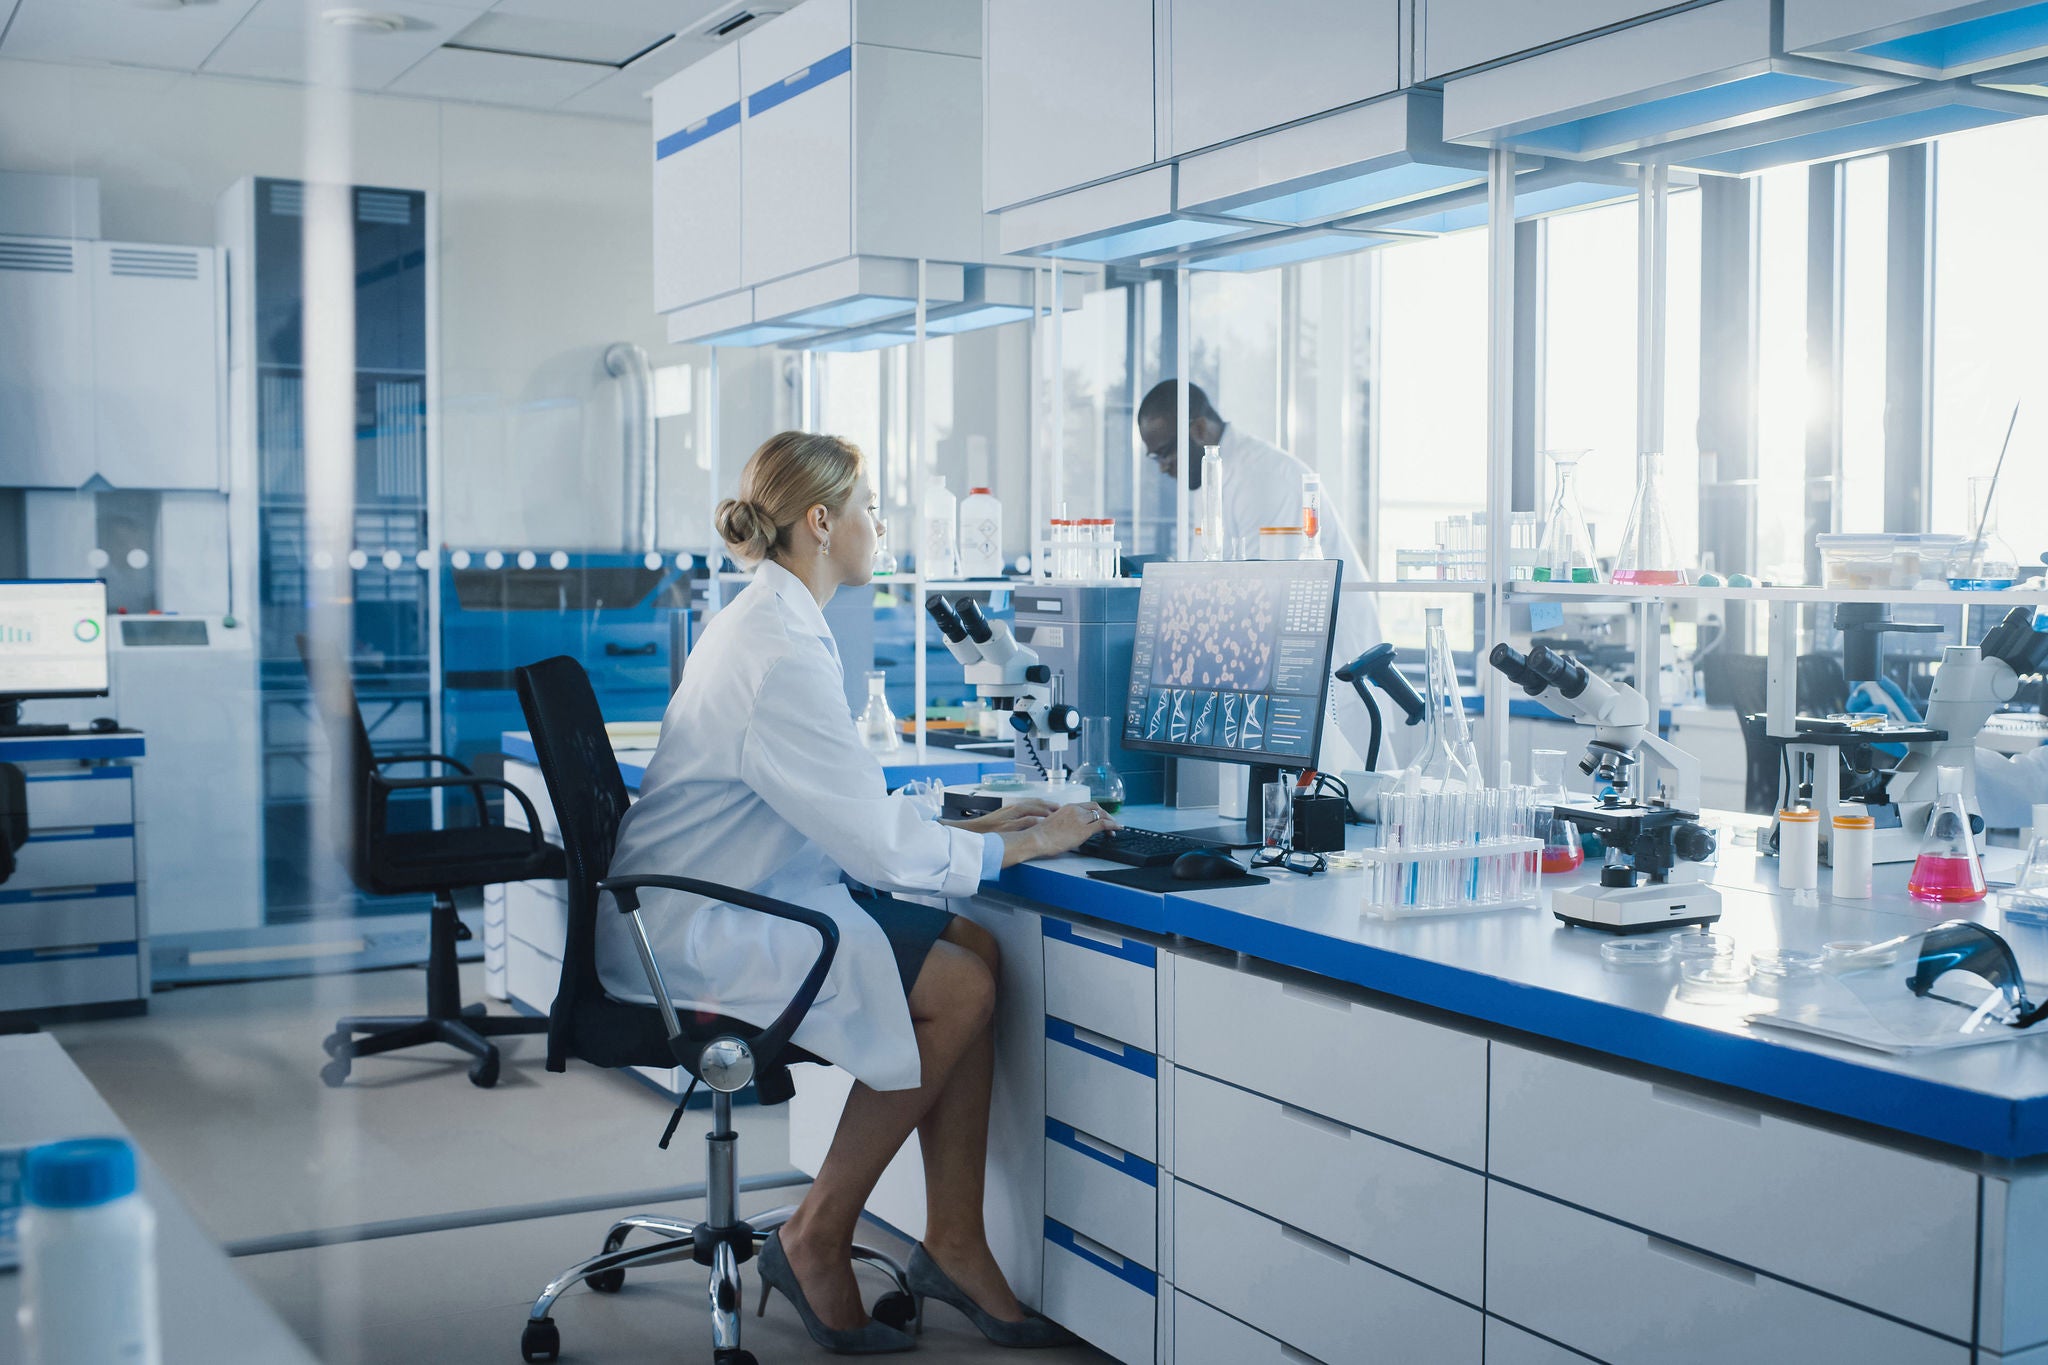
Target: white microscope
1649, 822
1008, 677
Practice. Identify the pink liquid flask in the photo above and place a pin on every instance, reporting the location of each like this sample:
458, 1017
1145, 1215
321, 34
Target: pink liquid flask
1947, 869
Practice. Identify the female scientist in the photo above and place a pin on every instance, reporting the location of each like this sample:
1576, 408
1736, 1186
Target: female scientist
761, 781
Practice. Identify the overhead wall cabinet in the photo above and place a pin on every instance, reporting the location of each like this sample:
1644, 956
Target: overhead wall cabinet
112, 364
1457, 35
1917, 37
1235, 69
697, 182
1069, 95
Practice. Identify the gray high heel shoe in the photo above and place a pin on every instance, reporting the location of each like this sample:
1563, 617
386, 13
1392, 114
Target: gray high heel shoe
927, 1281
871, 1339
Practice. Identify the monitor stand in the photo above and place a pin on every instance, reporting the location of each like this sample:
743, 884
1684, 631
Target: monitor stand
11, 726
1251, 831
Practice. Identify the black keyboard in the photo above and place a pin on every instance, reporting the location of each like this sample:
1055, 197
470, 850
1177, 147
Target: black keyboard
1139, 847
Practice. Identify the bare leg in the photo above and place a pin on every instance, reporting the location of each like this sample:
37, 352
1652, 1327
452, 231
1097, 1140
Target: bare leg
950, 1008
953, 1136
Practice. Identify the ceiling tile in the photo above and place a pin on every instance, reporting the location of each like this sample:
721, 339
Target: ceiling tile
585, 40
624, 95
490, 78
120, 31
670, 16
271, 42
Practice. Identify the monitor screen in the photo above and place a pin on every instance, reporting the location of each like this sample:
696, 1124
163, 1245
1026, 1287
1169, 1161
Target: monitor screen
53, 638
1232, 660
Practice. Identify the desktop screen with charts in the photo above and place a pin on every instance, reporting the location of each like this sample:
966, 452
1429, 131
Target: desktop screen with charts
53, 638
1232, 660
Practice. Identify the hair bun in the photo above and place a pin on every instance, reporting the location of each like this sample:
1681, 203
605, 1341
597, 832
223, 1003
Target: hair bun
744, 529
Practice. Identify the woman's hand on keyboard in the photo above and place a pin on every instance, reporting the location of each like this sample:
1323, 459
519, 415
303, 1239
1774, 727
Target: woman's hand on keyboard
1065, 830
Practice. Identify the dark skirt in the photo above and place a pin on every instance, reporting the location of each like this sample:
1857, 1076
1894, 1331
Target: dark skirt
912, 928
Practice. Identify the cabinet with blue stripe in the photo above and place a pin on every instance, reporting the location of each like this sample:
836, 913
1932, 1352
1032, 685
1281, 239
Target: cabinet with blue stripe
72, 939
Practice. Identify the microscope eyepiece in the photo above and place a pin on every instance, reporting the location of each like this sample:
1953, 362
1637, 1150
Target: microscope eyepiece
1560, 671
976, 624
945, 618
1511, 661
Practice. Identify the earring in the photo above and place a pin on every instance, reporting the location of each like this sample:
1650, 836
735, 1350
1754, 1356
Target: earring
824, 547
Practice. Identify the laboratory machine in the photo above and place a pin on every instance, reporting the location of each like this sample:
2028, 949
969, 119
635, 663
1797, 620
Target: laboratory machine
53, 644
1084, 632
1009, 677
1649, 816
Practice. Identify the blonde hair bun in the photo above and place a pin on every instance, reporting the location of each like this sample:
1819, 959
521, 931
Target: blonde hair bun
792, 472
746, 531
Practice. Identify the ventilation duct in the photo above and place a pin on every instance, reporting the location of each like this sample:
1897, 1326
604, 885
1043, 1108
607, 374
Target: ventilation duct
627, 363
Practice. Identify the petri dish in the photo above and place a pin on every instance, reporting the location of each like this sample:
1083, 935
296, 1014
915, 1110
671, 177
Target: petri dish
1846, 954
1636, 952
1787, 962
1701, 943
1714, 978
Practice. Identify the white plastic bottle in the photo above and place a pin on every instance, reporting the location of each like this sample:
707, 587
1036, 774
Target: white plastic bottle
981, 535
938, 549
88, 1257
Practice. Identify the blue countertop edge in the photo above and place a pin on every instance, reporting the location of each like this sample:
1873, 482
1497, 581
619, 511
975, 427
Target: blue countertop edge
34, 748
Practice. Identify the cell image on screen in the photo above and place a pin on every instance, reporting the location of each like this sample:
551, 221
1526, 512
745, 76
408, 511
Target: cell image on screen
1219, 635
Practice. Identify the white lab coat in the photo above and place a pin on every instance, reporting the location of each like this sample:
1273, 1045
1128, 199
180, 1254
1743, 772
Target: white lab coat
760, 781
2008, 787
1262, 487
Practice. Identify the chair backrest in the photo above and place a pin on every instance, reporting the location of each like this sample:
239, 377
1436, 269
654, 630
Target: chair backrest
13, 816
589, 798
352, 767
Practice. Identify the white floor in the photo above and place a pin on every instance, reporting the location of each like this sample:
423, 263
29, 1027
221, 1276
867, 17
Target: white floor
220, 1084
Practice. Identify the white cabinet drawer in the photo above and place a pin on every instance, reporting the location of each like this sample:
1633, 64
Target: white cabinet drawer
1102, 1087
1812, 1206
531, 976
1629, 1298
28, 920
1308, 1293
1203, 1336
536, 913
1507, 1344
48, 978
1100, 1297
1401, 1078
1102, 1192
89, 798
1409, 1212
1102, 981
74, 860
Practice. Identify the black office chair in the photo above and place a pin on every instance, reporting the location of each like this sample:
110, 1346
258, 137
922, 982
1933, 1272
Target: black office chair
723, 1053
13, 816
383, 862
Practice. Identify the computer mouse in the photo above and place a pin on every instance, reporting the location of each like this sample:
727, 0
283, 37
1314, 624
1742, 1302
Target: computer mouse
105, 725
1205, 866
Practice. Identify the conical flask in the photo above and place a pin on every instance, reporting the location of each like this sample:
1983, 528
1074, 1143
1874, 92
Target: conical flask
1105, 788
1987, 560
1566, 554
1947, 868
1649, 554
877, 722
1563, 850
1447, 760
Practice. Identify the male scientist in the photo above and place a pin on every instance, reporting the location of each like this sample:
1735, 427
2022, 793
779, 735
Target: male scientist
1261, 488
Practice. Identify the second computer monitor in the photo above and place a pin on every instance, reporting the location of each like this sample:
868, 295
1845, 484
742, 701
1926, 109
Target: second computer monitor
1232, 660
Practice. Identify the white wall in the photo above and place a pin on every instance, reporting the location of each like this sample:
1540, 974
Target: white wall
545, 253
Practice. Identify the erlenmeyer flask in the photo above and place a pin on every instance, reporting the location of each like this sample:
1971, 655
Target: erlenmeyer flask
1649, 554
1987, 561
1563, 850
877, 722
1105, 788
1566, 554
1947, 868
1447, 760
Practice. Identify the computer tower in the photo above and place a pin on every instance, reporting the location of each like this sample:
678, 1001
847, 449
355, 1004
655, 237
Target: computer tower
1083, 633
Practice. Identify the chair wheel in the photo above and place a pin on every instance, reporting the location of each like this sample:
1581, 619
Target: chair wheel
540, 1340
483, 1074
336, 1043
606, 1281
335, 1072
895, 1309
735, 1356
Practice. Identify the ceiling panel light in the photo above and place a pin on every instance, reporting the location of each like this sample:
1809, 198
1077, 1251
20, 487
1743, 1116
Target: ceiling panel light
364, 20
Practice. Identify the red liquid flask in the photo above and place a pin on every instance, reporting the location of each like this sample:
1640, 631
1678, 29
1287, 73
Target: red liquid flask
1947, 869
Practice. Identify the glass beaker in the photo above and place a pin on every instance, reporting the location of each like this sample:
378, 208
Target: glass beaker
877, 722
1563, 850
1566, 555
1447, 760
1987, 560
1947, 868
1649, 553
1215, 538
1105, 788
1311, 515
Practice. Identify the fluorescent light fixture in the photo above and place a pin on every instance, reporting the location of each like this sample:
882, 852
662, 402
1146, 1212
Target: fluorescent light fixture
1355, 193
756, 334
853, 292
1651, 123
853, 312
1124, 219
973, 317
1963, 40
1892, 118
1266, 253
1557, 188
1134, 240
858, 339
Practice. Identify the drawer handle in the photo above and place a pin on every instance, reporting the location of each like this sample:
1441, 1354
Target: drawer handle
1315, 1121
1094, 1039
1095, 1248
697, 125
1727, 1270
796, 76
1721, 1109
1097, 1145
1315, 1244
68, 950
1108, 940
1328, 1002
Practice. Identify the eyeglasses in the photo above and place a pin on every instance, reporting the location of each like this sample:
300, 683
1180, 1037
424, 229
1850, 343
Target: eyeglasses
1307, 864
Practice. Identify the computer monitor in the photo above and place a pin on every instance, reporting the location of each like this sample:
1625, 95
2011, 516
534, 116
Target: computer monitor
1231, 663
53, 641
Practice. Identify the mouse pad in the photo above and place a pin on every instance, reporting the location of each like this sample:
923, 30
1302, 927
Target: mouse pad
1162, 881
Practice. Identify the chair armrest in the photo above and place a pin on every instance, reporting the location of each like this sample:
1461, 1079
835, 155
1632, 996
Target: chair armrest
384, 785
768, 1044
483, 811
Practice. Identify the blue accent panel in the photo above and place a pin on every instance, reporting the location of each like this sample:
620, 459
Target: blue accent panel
960, 770
1130, 950
1289, 252
853, 312
1144, 240
112, 773
1528, 204
1754, 97
1856, 137
974, 319
1060, 1235
70, 746
96, 832
758, 334
76, 893
812, 76
26, 956
1132, 1059
1133, 1166
1358, 193
712, 126
2016, 33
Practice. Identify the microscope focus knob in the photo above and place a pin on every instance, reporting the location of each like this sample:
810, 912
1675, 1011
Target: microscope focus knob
1038, 673
1694, 843
1063, 720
